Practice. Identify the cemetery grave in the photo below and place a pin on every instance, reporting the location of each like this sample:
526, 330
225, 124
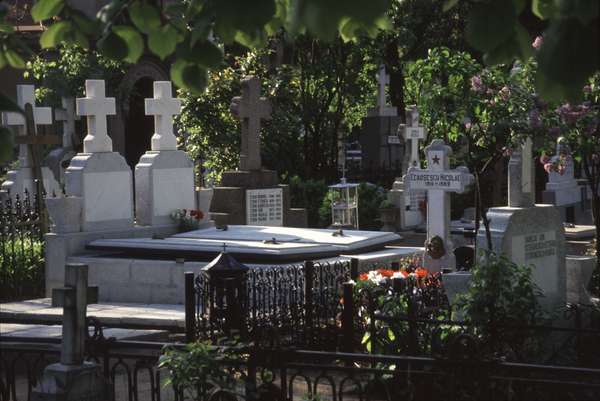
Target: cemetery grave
214, 204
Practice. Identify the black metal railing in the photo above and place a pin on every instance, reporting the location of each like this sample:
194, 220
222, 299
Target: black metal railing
21, 247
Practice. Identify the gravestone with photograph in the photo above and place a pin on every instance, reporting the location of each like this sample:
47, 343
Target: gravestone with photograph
529, 234
252, 195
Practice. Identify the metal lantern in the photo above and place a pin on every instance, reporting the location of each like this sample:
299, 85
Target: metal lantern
344, 205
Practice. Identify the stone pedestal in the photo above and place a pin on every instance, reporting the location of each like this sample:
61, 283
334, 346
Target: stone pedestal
230, 202
579, 274
65, 213
72, 383
164, 182
22, 179
532, 236
407, 217
104, 181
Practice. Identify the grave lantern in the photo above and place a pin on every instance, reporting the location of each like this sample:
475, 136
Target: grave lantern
344, 205
227, 280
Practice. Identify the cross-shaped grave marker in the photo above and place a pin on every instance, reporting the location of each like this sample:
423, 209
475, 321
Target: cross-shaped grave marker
26, 133
163, 106
250, 108
438, 180
67, 116
521, 176
414, 132
96, 107
74, 298
382, 109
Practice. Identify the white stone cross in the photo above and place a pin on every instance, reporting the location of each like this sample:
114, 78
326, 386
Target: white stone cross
74, 298
96, 107
438, 180
41, 116
250, 108
67, 116
413, 132
521, 176
163, 106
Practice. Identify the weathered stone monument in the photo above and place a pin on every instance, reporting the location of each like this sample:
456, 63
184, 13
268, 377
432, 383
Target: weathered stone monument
99, 176
253, 195
58, 159
409, 202
562, 188
438, 180
23, 178
73, 379
529, 234
381, 147
164, 176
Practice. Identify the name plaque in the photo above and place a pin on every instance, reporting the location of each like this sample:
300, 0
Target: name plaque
393, 140
451, 181
264, 207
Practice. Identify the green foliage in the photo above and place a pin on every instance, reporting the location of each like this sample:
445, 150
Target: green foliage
65, 73
501, 295
21, 269
370, 197
200, 368
308, 194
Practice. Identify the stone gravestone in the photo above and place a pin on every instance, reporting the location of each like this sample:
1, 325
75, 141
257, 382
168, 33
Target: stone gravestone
99, 176
438, 180
529, 234
409, 201
58, 159
164, 176
252, 195
562, 188
73, 379
381, 147
23, 178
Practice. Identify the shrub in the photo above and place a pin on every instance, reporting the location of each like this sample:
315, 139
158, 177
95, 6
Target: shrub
308, 194
370, 197
21, 269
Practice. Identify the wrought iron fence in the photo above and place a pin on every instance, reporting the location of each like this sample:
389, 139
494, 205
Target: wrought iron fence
21, 247
280, 305
287, 375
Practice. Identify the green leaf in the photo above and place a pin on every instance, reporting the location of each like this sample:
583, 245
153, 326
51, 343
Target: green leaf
14, 59
490, 24
55, 33
45, 9
449, 4
85, 25
145, 17
2, 60
6, 27
7, 144
7, 104
133, 40
195, 78
208, 54
390, 334
163, 41
113, 46
544, 9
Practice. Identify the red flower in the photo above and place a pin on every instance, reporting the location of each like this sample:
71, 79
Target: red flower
421, 272
385, 272
363, 277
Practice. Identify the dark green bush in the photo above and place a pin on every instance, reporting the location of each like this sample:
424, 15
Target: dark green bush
308, 194
370, 197
21, 269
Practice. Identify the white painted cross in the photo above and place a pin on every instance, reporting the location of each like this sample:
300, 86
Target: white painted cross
438, 180
96, 107
413, 132
67, 116
41, 116
250, 108
163, 106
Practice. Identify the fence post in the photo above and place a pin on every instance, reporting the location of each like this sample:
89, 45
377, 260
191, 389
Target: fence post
348, 318
309, 272
190, 307
354, 269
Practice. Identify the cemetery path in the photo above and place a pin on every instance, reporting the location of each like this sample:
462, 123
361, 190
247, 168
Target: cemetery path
125, 316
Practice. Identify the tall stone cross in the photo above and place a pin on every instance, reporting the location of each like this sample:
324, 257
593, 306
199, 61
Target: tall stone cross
413, 132
74, 298
96, 107
163, 106
521, 176
382, 109
439, 180
39, 116
250, 108
67, 116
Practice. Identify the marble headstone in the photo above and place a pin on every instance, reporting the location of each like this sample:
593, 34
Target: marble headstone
164, 176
